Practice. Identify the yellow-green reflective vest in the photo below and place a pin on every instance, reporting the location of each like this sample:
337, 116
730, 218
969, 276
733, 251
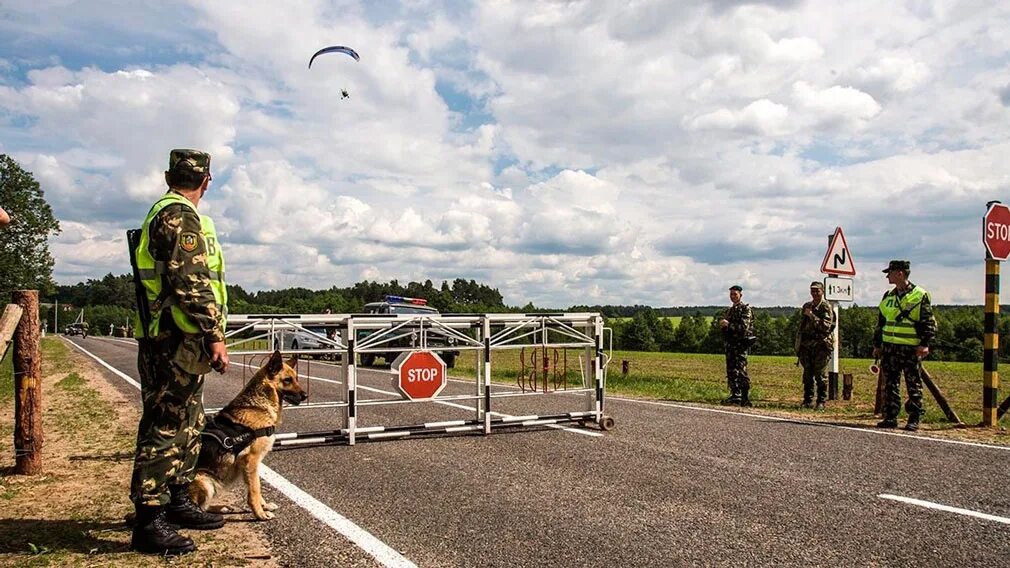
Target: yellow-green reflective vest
151, 272
909, 306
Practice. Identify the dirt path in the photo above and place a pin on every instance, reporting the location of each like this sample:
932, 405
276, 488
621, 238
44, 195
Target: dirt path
72, 514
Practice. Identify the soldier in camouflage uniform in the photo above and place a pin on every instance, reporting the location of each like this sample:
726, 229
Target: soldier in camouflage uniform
182, 342
905, 326
814, 345
738, 336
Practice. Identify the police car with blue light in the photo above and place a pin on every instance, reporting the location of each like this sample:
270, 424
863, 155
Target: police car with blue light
403, 305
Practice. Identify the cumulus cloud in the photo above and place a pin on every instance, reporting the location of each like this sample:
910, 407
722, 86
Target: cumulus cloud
588, 152
762, 117
836, 105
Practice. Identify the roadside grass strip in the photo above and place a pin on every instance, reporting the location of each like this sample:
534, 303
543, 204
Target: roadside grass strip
379, 550
945, 508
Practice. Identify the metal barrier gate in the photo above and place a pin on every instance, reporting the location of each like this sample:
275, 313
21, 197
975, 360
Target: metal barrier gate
481, 335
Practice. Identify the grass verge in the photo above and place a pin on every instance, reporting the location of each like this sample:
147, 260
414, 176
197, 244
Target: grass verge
72, 514
776, 385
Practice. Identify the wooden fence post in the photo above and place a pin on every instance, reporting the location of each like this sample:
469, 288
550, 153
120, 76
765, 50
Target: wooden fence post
8, 323
27, 386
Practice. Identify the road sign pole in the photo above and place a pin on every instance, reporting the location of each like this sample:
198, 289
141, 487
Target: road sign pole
833, 375
996, 236
990, 358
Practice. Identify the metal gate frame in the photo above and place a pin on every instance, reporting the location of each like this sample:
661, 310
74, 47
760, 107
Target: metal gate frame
481, 334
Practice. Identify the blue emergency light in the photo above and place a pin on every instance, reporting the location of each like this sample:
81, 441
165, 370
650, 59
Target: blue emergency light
405, 300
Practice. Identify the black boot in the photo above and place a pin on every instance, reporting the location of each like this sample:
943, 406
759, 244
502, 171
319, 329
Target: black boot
734, 398
152, 535
183, 512
888, 423
913, 423
745, 397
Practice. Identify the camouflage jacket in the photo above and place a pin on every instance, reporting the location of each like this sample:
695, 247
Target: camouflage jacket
815, 330
741, 323
188, 274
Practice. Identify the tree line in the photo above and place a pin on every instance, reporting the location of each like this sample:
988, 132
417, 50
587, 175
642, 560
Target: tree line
959, 332
110, 300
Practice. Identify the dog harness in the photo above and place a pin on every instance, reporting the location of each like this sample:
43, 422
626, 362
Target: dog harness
221, 435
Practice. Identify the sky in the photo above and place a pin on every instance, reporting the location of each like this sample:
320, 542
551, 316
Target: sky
642, 152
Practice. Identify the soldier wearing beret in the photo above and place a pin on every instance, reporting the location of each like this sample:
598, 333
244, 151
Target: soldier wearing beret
181, 271
814, 345
905, 326
738, 335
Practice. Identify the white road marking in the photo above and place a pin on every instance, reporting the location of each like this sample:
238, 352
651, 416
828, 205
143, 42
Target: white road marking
861, 430
945, 508
121, 375
379, 550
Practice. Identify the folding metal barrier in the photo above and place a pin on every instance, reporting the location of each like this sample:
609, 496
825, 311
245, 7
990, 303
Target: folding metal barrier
481, 335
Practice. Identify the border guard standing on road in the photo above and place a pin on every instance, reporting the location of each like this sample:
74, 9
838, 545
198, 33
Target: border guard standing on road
182, 302
738, 335
905, 326
815, 344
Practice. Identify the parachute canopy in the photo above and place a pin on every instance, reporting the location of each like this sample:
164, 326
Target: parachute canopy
334, 49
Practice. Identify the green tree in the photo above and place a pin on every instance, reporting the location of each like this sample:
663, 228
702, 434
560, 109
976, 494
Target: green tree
25, 262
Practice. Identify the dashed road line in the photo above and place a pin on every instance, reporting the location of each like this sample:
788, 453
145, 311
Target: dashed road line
945, 508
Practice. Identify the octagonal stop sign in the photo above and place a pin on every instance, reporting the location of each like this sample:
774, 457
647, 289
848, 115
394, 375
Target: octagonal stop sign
420, 374
996, 231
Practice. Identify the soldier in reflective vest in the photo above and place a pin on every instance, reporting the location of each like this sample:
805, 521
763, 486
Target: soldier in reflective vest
181, 269
905, 327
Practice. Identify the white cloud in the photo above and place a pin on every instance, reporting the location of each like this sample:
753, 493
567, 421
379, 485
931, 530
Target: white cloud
651, 152
762, 117
837, 105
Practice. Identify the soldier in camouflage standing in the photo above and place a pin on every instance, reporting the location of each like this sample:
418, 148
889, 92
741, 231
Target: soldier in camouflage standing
738, 336
181, 269
815, 343
905, 326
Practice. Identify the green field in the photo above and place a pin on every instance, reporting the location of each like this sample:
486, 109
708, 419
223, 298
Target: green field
674, 320
776, 382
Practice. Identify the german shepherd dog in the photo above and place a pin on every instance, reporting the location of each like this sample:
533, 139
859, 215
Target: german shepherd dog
253, 413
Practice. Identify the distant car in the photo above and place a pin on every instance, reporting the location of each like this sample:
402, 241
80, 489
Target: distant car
403, 305
308, 338
76, 329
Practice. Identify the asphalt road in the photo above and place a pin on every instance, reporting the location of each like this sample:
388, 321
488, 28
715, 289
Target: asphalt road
670, 485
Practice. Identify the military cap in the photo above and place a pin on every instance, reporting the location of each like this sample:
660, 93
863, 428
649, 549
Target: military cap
817, 284
184, 160
898, 265
736, 287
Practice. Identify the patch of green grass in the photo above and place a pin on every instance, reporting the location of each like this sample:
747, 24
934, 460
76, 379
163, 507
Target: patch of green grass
71, 382
776, 381
88, 408
55, 356
7, 378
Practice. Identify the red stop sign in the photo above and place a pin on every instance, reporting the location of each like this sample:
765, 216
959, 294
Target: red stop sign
421, 374
996, 231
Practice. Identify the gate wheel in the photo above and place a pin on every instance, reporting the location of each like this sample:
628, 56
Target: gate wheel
607, 423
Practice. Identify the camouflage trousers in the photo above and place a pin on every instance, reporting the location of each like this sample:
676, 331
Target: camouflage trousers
168, 439
814, 361
895, 360
736, 369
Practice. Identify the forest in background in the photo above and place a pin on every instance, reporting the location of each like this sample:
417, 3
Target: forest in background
110, 300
